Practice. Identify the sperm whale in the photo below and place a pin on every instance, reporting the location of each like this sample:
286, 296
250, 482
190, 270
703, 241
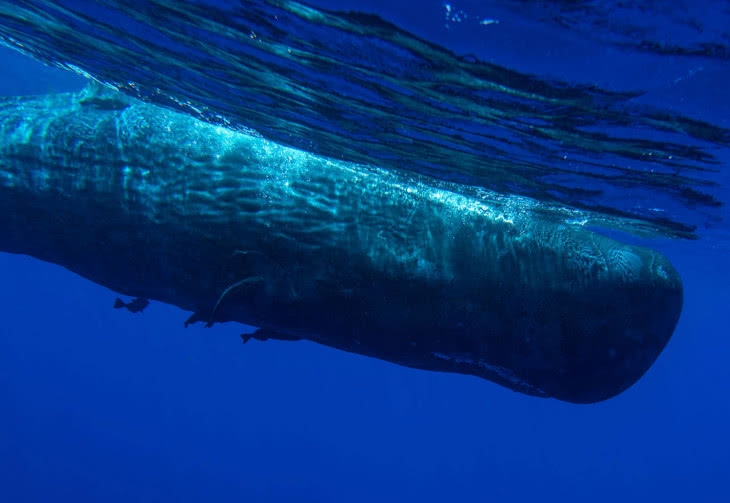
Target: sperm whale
158, 205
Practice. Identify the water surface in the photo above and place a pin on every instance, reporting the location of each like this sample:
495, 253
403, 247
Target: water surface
354, 85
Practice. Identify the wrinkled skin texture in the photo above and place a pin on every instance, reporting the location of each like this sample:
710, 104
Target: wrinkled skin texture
159, 205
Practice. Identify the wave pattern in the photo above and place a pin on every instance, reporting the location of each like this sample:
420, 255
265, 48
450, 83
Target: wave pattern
674, 27
355, 87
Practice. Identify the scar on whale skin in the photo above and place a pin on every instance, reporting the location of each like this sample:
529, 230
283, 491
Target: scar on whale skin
248, 281
272, 261
237, 284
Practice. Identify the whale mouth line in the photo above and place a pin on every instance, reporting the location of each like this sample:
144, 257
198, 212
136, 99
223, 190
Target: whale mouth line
502, 372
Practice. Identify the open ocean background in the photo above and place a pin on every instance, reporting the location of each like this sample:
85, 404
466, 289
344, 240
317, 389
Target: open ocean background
620, 109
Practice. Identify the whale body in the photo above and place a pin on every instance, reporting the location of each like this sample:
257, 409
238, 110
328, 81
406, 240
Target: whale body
158, 205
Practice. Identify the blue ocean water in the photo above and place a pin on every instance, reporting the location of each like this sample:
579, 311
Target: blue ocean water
104, 405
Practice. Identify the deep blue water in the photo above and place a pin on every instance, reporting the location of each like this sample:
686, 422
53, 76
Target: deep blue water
103, 405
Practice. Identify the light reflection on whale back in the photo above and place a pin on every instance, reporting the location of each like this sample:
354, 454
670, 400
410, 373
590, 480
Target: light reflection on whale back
377, 95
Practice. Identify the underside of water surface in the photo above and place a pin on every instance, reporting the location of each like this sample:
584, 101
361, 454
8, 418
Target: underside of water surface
351, 85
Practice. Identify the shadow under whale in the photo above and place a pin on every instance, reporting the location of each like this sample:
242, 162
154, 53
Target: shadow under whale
159, 205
